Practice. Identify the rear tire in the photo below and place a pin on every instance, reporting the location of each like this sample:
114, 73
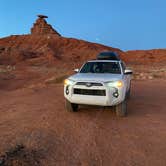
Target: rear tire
121, 109
71, 107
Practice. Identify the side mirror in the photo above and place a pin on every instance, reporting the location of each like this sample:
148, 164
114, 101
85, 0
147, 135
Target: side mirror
76, 70
127, 71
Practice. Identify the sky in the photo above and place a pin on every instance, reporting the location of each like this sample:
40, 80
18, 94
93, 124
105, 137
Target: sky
124, 24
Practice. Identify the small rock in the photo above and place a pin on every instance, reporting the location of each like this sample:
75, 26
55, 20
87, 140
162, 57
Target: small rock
150, 77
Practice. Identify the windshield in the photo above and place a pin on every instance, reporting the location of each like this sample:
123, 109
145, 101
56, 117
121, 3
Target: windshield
101, 67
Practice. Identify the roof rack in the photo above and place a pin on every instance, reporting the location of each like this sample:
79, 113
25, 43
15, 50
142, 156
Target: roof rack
108, 56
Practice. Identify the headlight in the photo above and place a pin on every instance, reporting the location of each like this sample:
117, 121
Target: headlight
68, 82
117, 84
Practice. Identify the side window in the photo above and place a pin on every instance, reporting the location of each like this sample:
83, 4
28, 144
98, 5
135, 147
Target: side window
123, 66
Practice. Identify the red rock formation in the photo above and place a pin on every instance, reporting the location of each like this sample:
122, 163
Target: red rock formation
46, 44
146, 56
41, 27
15, 49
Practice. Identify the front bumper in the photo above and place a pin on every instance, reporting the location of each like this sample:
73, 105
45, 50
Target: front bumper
108, 99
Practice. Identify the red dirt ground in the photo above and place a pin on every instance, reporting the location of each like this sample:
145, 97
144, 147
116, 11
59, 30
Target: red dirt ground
36, 118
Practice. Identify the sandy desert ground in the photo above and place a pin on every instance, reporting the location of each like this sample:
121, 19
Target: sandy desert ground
37, 130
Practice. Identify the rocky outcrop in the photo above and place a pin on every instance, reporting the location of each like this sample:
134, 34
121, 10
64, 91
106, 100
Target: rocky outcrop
49, 48
146, 56
41, 27
46, 44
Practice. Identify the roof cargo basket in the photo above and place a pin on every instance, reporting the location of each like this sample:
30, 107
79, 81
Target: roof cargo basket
108, 56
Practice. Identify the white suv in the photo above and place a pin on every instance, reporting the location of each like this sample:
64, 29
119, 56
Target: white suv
102, 82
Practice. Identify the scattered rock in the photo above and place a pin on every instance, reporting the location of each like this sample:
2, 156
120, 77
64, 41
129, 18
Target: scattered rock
2, 49
19, 155
150, 77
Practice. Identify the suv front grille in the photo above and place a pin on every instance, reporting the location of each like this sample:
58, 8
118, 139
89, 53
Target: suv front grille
92, 92
89, 83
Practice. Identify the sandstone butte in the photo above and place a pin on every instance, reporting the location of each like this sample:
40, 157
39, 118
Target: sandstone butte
45, 44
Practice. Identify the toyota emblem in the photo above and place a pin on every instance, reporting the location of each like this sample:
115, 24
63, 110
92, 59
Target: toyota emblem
88, 84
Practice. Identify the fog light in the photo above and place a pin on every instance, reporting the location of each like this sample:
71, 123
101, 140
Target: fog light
116, 94
67, 90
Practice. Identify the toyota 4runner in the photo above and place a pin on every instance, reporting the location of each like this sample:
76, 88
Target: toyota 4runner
102, 82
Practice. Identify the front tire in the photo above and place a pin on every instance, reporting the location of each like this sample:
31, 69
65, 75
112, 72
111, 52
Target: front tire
71, 107
121, 109
128, 93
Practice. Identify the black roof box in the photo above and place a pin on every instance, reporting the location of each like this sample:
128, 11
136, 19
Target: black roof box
108, 56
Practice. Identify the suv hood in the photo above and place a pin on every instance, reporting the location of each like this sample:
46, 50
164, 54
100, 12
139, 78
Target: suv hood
89, 77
